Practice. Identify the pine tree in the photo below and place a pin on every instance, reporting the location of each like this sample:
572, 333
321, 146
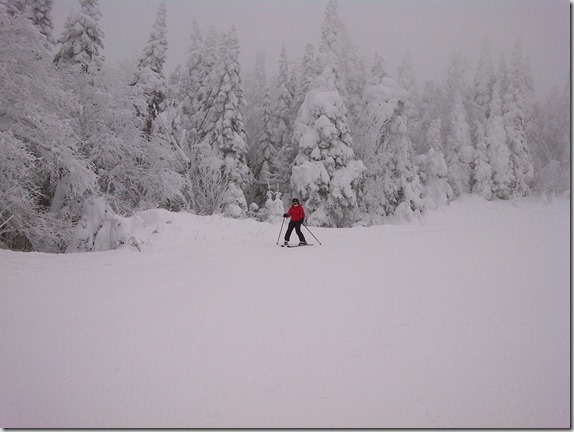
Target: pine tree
207, 77
41, 16
480, 112
307, 74
149, 72
515, 108
223, 129
437, 190
483, 81
262, 154
256, 90
497, 144
326, 174
187, 92
459, 148
392, 184
82, 39
380, 98
330, 51
407, 80
283, 121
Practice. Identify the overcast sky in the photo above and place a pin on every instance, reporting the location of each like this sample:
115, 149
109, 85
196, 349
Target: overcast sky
431, 30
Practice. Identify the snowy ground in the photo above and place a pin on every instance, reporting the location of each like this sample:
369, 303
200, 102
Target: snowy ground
462, 321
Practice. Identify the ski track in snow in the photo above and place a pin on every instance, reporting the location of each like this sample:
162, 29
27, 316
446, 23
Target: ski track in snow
461, 320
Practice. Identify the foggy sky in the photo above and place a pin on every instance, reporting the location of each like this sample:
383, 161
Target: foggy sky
431, 30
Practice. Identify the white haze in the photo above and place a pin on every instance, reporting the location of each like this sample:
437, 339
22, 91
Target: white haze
430, 30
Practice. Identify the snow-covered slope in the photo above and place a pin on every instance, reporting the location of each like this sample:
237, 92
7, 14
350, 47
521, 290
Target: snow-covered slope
460, 321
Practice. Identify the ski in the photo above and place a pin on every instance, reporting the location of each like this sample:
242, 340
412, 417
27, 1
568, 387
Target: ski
296, 245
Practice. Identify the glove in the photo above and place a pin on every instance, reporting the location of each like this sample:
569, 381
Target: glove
302, 221
285, 215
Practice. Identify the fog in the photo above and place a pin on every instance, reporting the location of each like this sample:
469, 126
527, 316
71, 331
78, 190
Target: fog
430, 30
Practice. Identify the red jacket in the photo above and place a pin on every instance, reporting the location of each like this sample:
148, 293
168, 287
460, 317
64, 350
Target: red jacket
296, 213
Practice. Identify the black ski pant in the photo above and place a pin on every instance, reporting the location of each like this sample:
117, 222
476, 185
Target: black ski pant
297, 226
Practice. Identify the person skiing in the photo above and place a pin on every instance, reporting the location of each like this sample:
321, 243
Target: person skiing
297, 215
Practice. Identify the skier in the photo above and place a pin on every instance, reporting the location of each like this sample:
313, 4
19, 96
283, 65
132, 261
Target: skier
297, 215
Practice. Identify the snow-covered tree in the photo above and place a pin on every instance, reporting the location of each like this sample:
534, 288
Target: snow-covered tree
497, 145
307, 73
82, 39
459, 148
392, 179
407, 80
326, 174
283, 122
223, 128
149, 74
330, 51
550, 136
479, 114
515, 109
348, 65
41, 16
42, 173
13, 7
260, 128
184, 87
437, 190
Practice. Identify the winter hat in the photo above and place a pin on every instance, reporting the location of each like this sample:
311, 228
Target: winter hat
295, 200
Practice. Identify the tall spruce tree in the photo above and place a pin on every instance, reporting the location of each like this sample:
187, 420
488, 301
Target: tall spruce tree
479, 114
515, 109
326, 174
459, 148
283, 122
41, 16
223, 129
503, 179
149, 76
82, 39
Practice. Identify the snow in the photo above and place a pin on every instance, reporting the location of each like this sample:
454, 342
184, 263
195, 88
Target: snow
459, 320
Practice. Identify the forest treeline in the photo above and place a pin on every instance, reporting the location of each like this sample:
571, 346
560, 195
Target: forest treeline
355, 142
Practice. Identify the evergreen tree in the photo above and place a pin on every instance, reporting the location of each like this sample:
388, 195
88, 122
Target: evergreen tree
307, 74
326, 174
459, 148
223, 129
407, 80
348, 65
256, 90
480, 112
437, 190
497, 144
41, 16
207, 77
515, 108
149, 72
268, 174
283, 122
330, 51
483, 81
262, 154
82, 39
392, 180
188, 92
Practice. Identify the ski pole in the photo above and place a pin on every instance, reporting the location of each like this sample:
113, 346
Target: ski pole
312, 234
280, 230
